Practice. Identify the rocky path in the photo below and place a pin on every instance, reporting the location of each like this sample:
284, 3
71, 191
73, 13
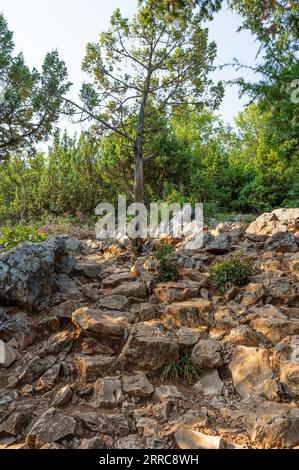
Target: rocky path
88, 332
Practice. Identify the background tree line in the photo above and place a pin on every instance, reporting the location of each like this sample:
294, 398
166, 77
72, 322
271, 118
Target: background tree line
159, 118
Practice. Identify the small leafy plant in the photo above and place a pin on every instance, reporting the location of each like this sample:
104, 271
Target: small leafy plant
12, 237
168, 268
235, 270
182, 369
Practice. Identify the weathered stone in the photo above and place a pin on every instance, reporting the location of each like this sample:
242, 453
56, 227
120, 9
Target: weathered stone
189, 336
134, 441
188, 439
116, 424
90, 267
93, 367
274, 426
16, 326
116, 279
275, 329
15, 424
113, 302
249, 368
63, 396
265, 224
219, 245
48, 379
209, 383
252, 294
149, 348
242, 335
131, 289
107, 393
52, 426
207, 354
137, 385
225, 319
97, 442
30, 368
289, 376
96, 321
176, 291
164, 392
10, 355
273, 390
280, 286
191, 313
284, 242
27, 272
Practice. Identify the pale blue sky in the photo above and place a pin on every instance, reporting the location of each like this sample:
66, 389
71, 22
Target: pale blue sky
42, 25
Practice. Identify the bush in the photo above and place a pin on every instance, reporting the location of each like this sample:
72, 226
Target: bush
168, 269
235, 270
11, 237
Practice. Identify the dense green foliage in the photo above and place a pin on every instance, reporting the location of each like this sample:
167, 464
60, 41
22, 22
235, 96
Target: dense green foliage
234, 270
11, 237
30, 102
168, 268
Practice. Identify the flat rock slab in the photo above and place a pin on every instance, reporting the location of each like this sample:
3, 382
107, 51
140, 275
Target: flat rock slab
96, 321
90, 368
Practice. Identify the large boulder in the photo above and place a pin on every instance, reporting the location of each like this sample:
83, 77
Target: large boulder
97, 322
284, 242
176, 291
52, 426
27, 272
207, 354
275, 329
249, 368
149, 347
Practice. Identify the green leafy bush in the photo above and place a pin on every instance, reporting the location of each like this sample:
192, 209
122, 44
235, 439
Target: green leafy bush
168, 268
182, 369
235, 270
11, 237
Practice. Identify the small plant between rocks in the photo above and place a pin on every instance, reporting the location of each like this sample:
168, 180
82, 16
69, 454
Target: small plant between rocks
12, 237
183, 370
168, 269
235, 270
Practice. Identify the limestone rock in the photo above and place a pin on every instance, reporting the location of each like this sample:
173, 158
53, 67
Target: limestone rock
242, 335
149, 348
275, 329
249, 368
63, 396
188, 439
96, 321
164, 392
91, 368
284, 242
107, 392
190, 313
176, 291
27, 272
207, 354
137, 385
252, 294
190, 336
52, 426
209, 383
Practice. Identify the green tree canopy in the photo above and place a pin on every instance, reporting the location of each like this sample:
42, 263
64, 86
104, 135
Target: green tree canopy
30, 102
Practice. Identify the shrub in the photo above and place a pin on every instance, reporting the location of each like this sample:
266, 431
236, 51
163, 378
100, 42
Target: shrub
235, 270
168, 268
11, 237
